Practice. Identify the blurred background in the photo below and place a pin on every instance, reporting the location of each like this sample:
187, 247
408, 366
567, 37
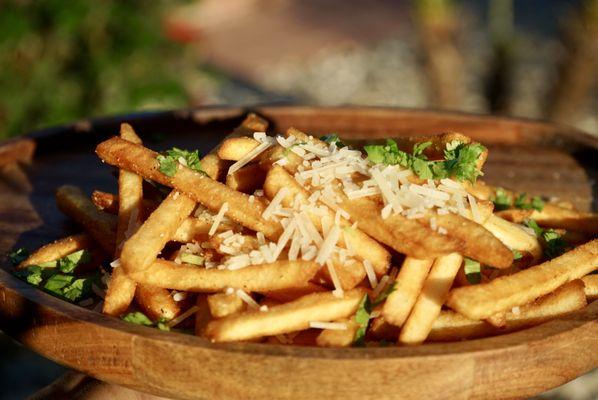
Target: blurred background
65, 60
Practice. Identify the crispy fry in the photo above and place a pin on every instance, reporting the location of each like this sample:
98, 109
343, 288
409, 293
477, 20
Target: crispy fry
233, 149
293, 293
142, 248
350, 274
156, 302
285, 318
483, 300
364, 246
408, 286
380, 329
553, 216
213, 165
451, 326
201, 188
514, 237
121, 289
222, 304
336, 337
57, 250
76, 205
108, 202
591, 286
246, 179
256, 278
427, 307
193, 228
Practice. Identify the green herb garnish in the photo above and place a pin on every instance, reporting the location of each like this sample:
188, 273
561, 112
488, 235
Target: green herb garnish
553, 243
517, 255
522, 202
362, 317
161, 324
170, 159
460, 159
502, 201
18, 256
333, 138
69, 263
473, 271
138, 318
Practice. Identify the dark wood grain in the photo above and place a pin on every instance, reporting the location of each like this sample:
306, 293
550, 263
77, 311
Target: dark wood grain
533, 156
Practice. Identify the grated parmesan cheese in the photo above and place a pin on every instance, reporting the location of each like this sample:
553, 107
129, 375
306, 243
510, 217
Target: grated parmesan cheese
336, 326
218, 219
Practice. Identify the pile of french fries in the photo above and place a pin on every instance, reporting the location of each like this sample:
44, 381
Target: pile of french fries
213, 248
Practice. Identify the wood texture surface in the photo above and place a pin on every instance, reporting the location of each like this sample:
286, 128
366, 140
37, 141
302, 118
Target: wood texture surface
537, 157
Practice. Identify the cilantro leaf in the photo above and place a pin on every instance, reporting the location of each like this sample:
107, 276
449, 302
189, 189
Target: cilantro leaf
76, 290
56, 283
460, 159
68, 263
362, 317
32, 275
473, 271
168, 162
517, 255
161, 324
554, 245
18, 256
333, 138
138, 318
536, 203
502, 201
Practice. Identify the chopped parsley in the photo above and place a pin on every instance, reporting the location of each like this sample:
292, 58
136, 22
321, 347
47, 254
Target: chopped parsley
333, 138
56, 277
522, 202
502, 201
517, 255
139, 318
169, 160
460, 159
362, 317
473, 271
194, 259
553, 243
18, 256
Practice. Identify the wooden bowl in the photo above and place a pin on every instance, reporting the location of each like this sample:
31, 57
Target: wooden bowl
537, 157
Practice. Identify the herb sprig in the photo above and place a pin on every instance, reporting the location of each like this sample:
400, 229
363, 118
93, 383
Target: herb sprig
473, 271
364, 312
502, 201
553, 243
169, 160
460, 159
139, 318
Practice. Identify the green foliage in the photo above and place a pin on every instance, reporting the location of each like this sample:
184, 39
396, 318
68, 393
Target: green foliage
170, 160
67, 60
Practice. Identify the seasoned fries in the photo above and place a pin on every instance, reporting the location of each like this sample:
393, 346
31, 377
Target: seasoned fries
290, 239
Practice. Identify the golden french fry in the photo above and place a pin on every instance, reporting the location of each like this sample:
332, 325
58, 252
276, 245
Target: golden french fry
553, 216
201, 188
349, 274
143, 247
285, 318
156, 302
108, 202
512, 236
364, 246
57, 250
337, 337
120, 293
451, 326
233, 149
503, 293
429, 302
293, 293
193, 228
408, 286
591, 286
222, 304
100, 225
380, 329
213, 165
246, 179
255, 278
498, 320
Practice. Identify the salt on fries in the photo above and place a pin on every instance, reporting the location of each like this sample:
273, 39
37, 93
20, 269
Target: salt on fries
289, 239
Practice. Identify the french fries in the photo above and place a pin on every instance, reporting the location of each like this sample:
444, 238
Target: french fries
451, 326
289, 240
484, 300
56, 250
143, 247
208, 192
286, 318
408, 286
429, 302
101, 226
256, 278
